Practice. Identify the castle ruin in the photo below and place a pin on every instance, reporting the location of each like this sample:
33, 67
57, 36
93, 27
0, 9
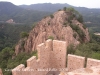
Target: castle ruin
52, 57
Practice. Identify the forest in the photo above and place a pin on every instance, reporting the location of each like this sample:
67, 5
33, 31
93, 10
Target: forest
9, 36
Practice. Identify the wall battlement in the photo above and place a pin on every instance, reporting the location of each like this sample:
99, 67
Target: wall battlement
75, 62
52, 56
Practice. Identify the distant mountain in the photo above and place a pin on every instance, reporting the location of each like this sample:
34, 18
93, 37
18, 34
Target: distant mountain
87, 13
48, 7
18, 14
35, 12
7, 10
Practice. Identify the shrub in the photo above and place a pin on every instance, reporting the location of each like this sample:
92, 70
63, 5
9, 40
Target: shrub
84, 26
51, 16
78, 30
64, 8
59, 10
75, 14
71, 9
48, 23
65, 24
51, 37
24, 34
34, 25
80, 18
69, 20
70, 49
71, 17
84, 50
74, 35
22, 43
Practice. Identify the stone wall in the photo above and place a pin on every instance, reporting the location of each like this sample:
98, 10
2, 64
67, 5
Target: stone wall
58, 55
18, 70
92, 62
51, 55
75, 62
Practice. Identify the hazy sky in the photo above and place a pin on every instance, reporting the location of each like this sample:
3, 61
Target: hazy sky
82, 3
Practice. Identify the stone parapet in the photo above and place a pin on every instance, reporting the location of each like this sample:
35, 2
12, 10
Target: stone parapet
75, 62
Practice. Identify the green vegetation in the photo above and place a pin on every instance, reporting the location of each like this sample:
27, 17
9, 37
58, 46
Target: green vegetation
34, 24
20, 15
51, 37
48, 23
84, 26
74, 35
89, 15
64, 8
8, 60
22, 44
91, 49
9, 36
78, 30
51, 16
71, 9
25, 15
80, 18
24, 34
73, 14
71, 49
10, 33
65, 24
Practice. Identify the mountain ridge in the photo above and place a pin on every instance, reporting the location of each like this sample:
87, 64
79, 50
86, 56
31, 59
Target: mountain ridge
45, 6
88, 14
58, 6
21, 15
18, 14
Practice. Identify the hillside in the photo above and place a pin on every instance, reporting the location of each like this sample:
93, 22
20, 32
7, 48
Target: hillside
62, 25
19, 15
91, 16
10, 34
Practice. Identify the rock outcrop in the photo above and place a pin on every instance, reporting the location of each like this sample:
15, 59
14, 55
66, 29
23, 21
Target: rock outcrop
57, 26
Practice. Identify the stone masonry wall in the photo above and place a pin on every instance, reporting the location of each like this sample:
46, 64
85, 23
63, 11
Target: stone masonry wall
75, 62
58, 54
92, 62
51, 54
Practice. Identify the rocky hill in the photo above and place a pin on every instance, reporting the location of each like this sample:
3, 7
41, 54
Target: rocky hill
62, 25
91, 16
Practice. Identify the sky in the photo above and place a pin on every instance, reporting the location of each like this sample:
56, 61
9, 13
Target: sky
79, 3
